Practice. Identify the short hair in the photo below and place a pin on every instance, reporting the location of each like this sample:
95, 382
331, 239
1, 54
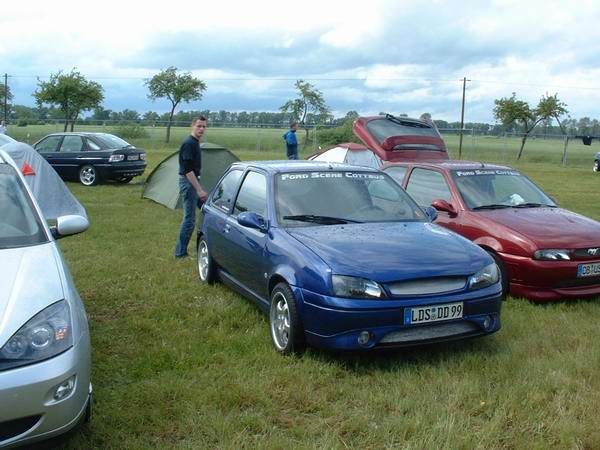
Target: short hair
196, 119
293, 123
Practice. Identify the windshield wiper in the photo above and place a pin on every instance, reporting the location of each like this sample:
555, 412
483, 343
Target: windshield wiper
492, 206
533, 205
325, 220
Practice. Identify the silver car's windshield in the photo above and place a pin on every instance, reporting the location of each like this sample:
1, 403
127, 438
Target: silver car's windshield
337, 197
498, 188
19, 222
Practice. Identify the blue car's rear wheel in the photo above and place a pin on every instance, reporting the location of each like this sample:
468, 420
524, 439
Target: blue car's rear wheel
286, 328
206, 265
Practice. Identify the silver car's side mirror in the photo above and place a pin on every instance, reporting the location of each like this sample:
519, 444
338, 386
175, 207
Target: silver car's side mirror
69, 225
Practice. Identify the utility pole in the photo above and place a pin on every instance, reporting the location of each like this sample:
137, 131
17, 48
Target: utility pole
462, 118
5, 97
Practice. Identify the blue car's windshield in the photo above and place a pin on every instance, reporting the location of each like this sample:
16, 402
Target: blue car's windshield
498, 188
336, 197
19, 223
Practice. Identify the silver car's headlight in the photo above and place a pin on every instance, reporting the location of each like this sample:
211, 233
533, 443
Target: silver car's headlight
485, 277
552, 254
46, 335
355, 287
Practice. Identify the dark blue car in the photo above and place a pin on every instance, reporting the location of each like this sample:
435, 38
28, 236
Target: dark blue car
340, 257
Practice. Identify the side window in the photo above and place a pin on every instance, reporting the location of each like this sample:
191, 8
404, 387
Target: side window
253, 195
92, 145
71, 144
397, 173
225, 191
362, 158
425, 186
49, 144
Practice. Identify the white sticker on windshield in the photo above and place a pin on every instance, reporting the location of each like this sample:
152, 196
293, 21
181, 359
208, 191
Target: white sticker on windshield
470, 173
313, 175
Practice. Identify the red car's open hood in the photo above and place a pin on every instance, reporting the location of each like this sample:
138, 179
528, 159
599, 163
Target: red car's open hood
549, 227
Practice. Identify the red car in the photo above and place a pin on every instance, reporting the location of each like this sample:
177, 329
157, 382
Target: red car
388, 138
544, 252
400, 138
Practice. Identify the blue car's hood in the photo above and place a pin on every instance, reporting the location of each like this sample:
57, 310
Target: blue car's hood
387, 252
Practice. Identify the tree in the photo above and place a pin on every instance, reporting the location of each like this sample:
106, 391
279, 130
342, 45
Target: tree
5, 92
176, 88
72, 93
310, 100
511, 110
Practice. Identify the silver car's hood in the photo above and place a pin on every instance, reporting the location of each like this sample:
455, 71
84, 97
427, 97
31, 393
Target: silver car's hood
30, 280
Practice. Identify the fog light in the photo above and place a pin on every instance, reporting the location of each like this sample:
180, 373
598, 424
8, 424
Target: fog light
64, 389
487, 322
364, 337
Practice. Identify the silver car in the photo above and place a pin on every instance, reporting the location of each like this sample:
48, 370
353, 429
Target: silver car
45, 352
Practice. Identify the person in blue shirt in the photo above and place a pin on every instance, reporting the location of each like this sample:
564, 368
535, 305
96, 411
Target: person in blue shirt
190, 165
291, 143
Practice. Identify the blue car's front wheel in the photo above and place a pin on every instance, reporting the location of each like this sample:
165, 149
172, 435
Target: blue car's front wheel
206, 264
284, 322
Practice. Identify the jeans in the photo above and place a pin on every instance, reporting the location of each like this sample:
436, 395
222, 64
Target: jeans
189, 197
292, 152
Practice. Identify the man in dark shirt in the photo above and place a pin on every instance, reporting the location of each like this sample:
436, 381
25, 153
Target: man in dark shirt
190, 166
291, 143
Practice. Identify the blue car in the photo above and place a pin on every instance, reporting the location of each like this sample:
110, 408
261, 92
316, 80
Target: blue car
340, 257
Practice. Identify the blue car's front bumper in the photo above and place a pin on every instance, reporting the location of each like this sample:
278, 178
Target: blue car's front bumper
337, 323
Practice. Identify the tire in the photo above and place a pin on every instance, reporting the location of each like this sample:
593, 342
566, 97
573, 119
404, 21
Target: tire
124, 180
87, 418
503, 275
285, 325
596, 167
207, 268
88, 175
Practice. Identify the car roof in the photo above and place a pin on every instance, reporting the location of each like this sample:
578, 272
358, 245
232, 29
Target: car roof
284, 166
449, 164
77, 133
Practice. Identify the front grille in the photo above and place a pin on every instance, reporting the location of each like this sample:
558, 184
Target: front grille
16, 427
427, 286
425, 333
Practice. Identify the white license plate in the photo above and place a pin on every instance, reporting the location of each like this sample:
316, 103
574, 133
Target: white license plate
433, 313
133, 157
588, 270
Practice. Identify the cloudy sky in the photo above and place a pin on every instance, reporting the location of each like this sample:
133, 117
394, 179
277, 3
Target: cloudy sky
394, 56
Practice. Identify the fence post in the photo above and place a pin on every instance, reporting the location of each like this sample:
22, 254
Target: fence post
258, 138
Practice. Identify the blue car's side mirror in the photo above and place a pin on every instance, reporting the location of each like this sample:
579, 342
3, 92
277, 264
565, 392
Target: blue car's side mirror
431, 213
253, 220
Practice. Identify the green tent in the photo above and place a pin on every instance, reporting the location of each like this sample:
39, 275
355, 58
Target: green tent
162, 184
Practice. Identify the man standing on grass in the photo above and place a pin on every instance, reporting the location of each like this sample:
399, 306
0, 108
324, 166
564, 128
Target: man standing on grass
291, 143
190, 165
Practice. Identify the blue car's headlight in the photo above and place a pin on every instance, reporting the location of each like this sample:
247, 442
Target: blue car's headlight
47, 334
485, 277
355, 287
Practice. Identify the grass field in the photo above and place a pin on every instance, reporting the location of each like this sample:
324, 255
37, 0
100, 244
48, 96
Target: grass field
180, 365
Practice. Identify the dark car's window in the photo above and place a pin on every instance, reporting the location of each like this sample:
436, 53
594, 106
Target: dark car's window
92, 145
20, 224
71, 144
48, 145
425, 186
364, 158
489, 187
330, 197
113, 141
397, 173
382, 129
253, 195
225, 191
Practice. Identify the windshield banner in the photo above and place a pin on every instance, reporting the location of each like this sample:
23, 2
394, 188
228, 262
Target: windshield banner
313, 175
470, 173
